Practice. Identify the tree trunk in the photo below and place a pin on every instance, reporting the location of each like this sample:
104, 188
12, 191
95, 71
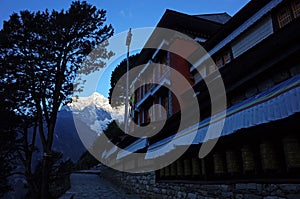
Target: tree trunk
45, 177
28, 149
46, 168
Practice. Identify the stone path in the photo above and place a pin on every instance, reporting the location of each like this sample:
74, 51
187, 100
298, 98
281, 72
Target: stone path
90, 185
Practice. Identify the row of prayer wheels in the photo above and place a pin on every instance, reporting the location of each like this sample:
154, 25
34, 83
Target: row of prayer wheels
267, 156
182, 167
291, 146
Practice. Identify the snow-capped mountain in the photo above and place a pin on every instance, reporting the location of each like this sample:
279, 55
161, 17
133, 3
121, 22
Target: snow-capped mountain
96, 99
82, 121
95, 111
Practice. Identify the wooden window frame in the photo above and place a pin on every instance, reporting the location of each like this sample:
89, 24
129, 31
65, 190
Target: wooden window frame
202, 73
143, 116
289, 17
225, 61
152, 112
140, 93
139, 118
159, 109
147, 115
296, 10
166, 105
219, 58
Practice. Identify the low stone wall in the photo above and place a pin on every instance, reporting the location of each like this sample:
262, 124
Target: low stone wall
146, 186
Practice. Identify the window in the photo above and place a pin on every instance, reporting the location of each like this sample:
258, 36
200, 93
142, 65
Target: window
202, 73
152, 112
166, 105
170, 103
219, 62
159, 111
296, 8
224, 59
140, 93
147, 116
154, 75
147, 86
163, 70
227, 57
143, 116
158, 71
284, 17
137, 95
212, 68
144, 88
138, 119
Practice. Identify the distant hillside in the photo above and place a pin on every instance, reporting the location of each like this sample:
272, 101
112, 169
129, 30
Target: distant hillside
92, 114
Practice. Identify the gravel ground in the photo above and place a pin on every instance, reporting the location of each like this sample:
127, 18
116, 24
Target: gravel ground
89, 185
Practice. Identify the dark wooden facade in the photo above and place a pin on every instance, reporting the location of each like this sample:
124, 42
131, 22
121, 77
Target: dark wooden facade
267, 152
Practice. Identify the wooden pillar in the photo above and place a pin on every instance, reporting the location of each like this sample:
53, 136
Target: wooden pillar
269, 156
196, 167
219, 163
187, 167
233, 162
291, 146
179, 165
248, 159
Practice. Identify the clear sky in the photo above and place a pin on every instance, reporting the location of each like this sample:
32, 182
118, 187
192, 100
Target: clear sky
123, 14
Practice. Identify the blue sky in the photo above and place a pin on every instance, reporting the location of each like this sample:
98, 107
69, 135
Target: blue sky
125, 14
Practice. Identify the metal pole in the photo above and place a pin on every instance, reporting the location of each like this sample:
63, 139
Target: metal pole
128, 40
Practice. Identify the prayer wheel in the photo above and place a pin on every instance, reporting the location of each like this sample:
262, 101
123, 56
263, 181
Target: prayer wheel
291, 147
248, 159
269, 156
162, 172
187, 167
196, 167
179, 165
219, 163
173, 169
203, 167
233, 161
167, 171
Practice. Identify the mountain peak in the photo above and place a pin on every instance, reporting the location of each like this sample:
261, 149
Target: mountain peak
96, 100
96, 94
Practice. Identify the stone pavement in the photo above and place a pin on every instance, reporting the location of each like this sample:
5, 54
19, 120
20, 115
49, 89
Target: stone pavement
90, 185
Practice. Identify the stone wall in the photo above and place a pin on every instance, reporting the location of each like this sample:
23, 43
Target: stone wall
146, 186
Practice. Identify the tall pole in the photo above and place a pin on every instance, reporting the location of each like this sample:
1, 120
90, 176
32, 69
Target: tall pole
128, 41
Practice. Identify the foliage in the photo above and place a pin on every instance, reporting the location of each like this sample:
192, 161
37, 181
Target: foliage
119, 71
7, 148
8, 134
17, 143
42, 53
